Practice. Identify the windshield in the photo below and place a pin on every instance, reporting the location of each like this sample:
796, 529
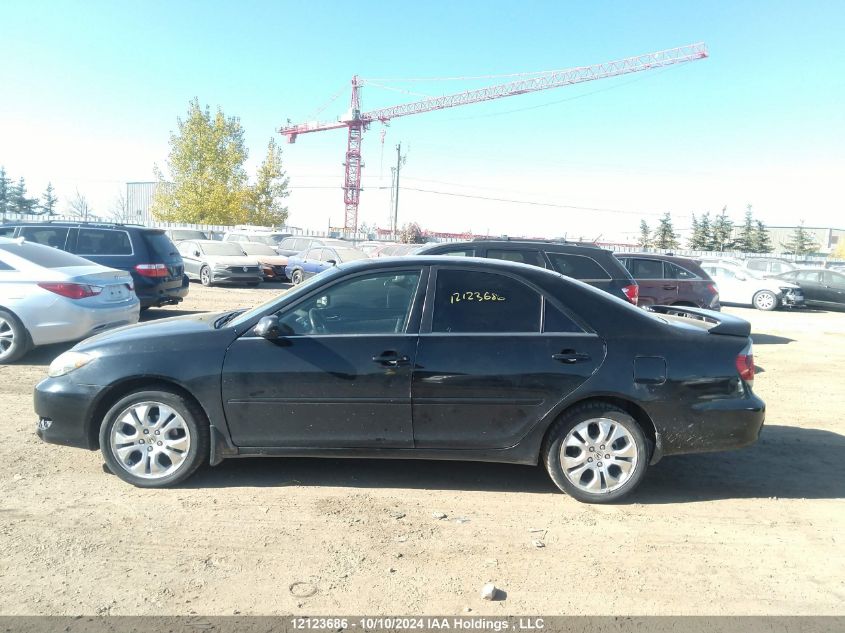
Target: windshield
187, 234
223, 248
301, 289
350, 254
257, 249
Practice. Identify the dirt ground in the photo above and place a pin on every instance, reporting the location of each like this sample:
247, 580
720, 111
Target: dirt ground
756, 531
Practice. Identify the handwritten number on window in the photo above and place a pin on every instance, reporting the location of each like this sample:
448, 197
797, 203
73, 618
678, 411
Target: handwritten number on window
474, 295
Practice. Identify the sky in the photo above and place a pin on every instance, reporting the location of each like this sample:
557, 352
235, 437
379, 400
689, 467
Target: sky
90, 91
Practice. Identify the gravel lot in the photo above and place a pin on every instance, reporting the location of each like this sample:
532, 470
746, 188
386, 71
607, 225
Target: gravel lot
756, 531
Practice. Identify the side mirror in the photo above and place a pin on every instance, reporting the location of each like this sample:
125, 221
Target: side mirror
196, 253
741, 277
268, 327
331, 262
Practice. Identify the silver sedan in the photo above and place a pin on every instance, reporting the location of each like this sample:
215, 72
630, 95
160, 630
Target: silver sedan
50, 296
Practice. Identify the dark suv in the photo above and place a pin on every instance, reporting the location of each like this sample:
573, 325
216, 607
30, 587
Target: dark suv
670, 280
586, 262
147, 254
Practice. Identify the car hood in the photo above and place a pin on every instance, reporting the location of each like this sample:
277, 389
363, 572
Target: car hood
273, 260
144, 333
230, 260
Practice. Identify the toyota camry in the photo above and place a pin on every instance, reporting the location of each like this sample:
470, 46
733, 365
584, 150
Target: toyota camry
419, 357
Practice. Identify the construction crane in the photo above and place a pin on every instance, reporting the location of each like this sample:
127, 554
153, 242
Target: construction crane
356, 122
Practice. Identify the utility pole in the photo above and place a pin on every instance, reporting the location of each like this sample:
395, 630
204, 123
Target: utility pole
390, 208
399, 162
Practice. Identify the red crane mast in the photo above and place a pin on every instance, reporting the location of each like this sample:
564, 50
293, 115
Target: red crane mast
356, 121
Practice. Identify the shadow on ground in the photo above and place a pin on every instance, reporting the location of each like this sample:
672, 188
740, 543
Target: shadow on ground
787, 462
770, 339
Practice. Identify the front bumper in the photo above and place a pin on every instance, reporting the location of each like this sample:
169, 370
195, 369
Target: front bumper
792, 299
69, 408
228, 276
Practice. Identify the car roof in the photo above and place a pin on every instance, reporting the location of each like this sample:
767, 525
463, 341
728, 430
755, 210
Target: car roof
545, 244
102, 225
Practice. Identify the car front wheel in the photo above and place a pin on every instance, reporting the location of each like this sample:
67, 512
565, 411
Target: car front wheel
765, 300
296, 277
154, 439
205, 276
14, 339
596, 453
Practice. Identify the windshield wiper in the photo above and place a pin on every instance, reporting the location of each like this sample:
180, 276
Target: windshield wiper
220, 322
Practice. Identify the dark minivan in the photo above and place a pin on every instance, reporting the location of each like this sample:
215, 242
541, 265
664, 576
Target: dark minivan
147, 254
670, 280
586, 262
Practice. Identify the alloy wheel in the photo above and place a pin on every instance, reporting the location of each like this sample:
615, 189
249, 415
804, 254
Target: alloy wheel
205, 276
150, 440
764, 301
7, 337
598, 455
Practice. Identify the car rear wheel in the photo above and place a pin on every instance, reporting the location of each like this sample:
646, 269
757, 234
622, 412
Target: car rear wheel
205, 276
596, 453
296, 277
765, 300
14, 339
154, 439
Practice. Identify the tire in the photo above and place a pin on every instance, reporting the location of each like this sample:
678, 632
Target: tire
184, 438
14, 339
206, 278
580, 430
765, 300
296, 277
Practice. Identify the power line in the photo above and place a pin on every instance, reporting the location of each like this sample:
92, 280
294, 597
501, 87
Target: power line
534, 203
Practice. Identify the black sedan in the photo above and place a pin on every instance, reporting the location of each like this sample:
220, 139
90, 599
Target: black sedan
418, 357
822, 288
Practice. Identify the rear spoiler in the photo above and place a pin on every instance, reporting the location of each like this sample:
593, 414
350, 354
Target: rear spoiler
724, 323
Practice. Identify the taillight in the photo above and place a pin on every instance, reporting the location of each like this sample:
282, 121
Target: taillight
71, 291
713, 289
745, 365
632, 291
152, 270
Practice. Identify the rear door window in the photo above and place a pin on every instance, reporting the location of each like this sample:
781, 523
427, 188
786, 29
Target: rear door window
458, 252
647, 269
509, 255
578, 266
673, 271
54, 236
103, 242
482, 302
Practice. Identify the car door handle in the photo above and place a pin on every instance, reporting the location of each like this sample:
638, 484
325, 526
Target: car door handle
670, 287
391, 359
570, 357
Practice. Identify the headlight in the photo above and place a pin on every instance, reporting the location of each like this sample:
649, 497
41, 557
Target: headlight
67, 362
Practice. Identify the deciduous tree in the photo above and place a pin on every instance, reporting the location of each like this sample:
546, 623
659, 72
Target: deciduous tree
271, 187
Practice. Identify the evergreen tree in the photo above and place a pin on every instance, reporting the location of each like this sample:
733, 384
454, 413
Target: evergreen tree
664, 234
644, 240
801, 242
706, 233
723, 229
5, 191
20, 203
695, 237
49, 200
762, 240
745, 241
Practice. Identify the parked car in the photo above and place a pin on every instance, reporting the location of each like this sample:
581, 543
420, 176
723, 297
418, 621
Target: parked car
586, 262
823, 288
370, 247
316, 260
769, 265
272, 265
147, 254
267, 237
741, 286
219, 262
420, 357
300, 243
670, 280
179, 235
49, 296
